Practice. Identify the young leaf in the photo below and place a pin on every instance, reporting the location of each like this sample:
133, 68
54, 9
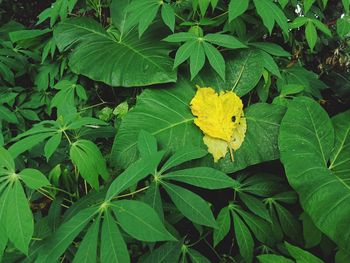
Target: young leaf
33, 178
204, 177
181, 37
87, 251
190, 205
113, 247
140, 221
236, 8
223, 221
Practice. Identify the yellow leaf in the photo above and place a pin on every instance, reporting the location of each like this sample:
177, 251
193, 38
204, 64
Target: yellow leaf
220, 117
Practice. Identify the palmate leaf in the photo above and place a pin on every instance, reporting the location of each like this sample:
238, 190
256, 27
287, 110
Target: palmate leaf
307, 134
126, 61
166, 114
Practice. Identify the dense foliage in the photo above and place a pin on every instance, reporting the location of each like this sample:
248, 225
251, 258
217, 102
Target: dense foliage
100, 156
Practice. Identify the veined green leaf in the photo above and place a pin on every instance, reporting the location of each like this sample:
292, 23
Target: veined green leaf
311, 35
134, 173
301, 255
6, 160
33, 178
183, 155
223, 221
197, 59
236, 8
113, 247
190, 205
65, 234
166, 253
19, 219
215, 59
204, 177
89, 160
101, 57
52, 144
224, 40
244, 238
269, 258
307, 133
147, 144
168, 16
87, 251
140, 221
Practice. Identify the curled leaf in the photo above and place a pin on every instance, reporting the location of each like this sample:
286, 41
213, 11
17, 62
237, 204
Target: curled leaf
221, 118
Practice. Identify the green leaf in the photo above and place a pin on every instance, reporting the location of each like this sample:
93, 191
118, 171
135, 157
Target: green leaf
89, 161
340, 162
298, 22
184, 52
223, 40
204, 177
215, 58
28, 142
190, 205
168, 16
154, 199
244, 238
311, 35
236, 8
6, 160
7, 115
166, 253
270, 12
134, 173
270, 64
300, 255
101, 57
322, 27
52, 144
271, 48
223, 221
181, 37
243, 72
113, 247
346, 4
58, 242
259, 227
307, 5
183, 155
273, 259
87, 251
197, 59
33, 178
19, 219
312, 235
197, 257
307, 133
140, 221
255, 205
343, 26
289, 224
147, 144
3, 240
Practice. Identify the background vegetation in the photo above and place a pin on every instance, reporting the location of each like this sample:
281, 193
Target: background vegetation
100, 160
